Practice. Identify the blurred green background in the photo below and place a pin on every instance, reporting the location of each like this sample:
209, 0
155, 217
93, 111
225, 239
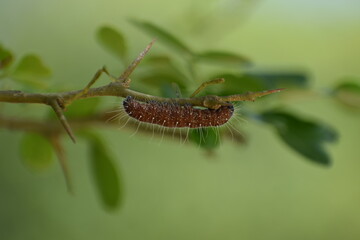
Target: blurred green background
263, 190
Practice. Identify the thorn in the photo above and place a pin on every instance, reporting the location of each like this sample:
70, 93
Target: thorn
60, 114
136, 62
250, 96
60, 153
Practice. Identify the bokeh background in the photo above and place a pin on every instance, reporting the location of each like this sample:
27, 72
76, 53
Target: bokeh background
263, 190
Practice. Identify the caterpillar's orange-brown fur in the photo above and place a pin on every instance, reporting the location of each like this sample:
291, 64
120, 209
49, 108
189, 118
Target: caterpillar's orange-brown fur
177, 116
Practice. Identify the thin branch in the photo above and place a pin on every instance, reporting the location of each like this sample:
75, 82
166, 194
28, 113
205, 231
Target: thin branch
50, 128
116, 89
101, 119
46, 128
120, 88
250, 96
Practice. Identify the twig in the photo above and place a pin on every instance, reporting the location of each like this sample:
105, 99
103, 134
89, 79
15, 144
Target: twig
250, 96
120, 88
116, 89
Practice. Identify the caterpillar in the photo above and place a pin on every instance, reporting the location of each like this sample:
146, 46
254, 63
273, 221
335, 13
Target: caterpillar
176, 116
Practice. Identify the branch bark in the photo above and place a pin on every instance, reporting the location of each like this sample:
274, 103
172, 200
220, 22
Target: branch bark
120, 88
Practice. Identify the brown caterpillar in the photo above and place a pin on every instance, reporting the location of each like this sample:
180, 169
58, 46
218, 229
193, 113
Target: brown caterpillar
177, 116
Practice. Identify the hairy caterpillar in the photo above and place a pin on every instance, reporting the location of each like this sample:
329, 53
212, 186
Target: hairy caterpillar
176, 116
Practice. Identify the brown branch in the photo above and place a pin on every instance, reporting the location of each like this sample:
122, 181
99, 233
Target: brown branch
116, 89
63, 99
250, 96
108, 119
120, 88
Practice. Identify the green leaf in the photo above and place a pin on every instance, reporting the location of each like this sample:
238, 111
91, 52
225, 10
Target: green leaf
31, 70
235, 84
165, 65
159, 78
348, 93
207, 138
349, 86
163, 36
242, 83
284, 79
158, 60
6, 58
36, 151
106, 177
224, 58
305, 137
82, 108
170, 90
113, 41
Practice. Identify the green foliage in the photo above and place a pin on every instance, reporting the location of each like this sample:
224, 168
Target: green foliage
245, 82
305, 137
223, 58
31, 70
160, 71
158, 60
106, 176
158, 78
164, 37
348, 93
163, 63
207, 138
238, 83
113, 41
282, 79
169, 90
163, 72
353, 87
83, 108
36, 151
6, 58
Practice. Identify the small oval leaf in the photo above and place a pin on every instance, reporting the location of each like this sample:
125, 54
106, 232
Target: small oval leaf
31, 70
224, 58
113, 41
163, 36
282, 79
305, 137
36, 151
106, 177
6, 58
158, 60
348, 93
207, 138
